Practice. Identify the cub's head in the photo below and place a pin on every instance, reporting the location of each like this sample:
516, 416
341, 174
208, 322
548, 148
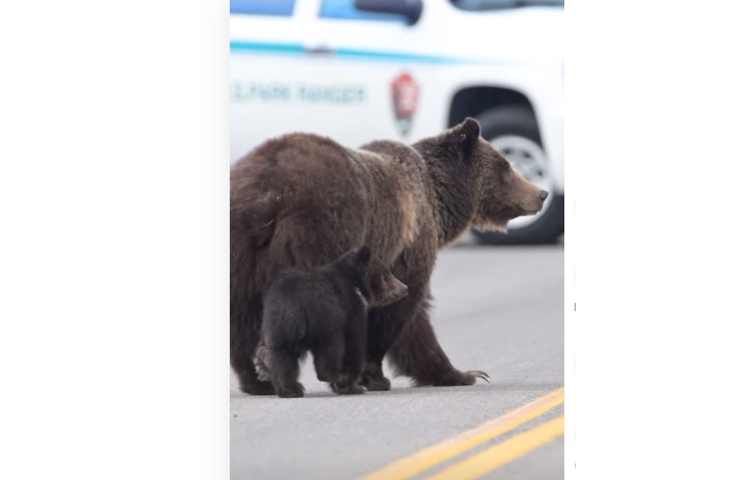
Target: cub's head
500, 193
354, 264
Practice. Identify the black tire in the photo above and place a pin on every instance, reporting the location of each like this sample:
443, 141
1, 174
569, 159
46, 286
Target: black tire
548, 227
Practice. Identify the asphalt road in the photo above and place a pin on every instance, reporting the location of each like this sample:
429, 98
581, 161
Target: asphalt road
498, 309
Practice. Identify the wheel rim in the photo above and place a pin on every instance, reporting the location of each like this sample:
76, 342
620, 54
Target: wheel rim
529, 159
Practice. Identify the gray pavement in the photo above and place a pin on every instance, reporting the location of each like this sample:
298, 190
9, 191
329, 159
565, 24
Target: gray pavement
498, 309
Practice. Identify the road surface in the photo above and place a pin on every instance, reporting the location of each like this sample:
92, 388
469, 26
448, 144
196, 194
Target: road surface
498, 309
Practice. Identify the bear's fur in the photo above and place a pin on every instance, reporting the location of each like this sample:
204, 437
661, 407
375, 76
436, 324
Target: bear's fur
323, 311
301, 200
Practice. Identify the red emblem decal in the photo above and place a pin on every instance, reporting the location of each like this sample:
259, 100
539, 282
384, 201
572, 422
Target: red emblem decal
405, 96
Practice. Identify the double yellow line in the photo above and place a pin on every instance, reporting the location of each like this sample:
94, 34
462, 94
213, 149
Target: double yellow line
489, 459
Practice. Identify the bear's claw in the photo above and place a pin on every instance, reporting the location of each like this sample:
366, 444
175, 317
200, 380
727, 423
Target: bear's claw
456, 378
480, 374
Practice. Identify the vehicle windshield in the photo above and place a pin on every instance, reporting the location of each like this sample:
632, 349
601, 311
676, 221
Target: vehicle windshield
482, 5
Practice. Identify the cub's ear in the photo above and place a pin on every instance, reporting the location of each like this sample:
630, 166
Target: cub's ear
466, 132
363, 255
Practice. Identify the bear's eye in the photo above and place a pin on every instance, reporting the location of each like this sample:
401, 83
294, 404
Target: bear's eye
505, 171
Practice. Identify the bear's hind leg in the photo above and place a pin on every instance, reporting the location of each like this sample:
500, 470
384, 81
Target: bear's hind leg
249, 381
261, 362
243, 345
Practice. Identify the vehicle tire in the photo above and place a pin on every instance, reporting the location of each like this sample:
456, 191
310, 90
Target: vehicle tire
513, 132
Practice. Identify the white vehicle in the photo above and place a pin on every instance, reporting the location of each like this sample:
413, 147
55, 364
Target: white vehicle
405, 69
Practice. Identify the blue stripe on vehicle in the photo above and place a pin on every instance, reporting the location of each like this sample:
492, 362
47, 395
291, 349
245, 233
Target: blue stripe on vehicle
267, 47
241, 46
393, 56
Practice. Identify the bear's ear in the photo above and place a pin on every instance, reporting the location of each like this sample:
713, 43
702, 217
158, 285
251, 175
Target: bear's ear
466, 132
471, 128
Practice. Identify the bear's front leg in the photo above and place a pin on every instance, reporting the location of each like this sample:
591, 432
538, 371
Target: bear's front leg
417, 353
384, 325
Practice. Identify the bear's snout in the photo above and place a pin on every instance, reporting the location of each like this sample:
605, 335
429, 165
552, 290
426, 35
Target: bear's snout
527, 196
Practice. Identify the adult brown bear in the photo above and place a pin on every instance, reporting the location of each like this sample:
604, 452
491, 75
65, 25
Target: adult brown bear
301, 200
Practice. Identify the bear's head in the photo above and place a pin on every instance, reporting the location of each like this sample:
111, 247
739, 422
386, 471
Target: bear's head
499, 193
354, 265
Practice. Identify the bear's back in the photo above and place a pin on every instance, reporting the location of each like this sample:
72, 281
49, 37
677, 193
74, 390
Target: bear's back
301, 200
291, 163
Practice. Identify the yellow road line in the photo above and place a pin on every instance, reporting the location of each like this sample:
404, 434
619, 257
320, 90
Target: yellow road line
504, 452
409, 466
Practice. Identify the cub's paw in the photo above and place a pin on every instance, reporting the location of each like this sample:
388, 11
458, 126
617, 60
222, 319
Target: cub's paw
375, 382
347, 385
352, 389
291, 391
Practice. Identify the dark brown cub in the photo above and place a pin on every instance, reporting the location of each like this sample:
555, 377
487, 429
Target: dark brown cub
323, 311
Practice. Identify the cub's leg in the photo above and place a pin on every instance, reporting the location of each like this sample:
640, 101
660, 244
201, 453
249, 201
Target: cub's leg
328, 357
354, 358
284, 371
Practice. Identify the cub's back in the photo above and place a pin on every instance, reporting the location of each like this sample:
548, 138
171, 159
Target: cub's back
302, 306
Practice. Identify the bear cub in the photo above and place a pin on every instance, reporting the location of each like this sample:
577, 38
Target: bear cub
323, 311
